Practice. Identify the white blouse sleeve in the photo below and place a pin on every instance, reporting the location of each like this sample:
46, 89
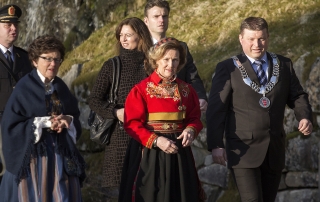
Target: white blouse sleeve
39, 123
44, 122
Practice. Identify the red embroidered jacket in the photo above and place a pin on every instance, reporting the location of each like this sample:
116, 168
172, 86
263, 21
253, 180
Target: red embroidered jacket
150, 100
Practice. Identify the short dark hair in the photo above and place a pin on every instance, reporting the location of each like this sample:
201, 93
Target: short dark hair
159, 3
45, 44
254, 23
159, 50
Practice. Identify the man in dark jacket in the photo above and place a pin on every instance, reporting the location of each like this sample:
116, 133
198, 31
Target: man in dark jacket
247, 100
14, 62
156, 14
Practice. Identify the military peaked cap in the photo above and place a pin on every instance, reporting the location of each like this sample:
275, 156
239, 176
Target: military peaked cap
10, 13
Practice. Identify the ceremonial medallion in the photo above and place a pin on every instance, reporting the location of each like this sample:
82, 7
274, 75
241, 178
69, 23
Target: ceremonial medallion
263, 89
264, 102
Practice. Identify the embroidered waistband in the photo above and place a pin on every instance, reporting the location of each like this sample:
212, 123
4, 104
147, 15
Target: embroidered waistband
165, 126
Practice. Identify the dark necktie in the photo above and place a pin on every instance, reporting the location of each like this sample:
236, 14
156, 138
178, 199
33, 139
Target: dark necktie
260, 72
9, 59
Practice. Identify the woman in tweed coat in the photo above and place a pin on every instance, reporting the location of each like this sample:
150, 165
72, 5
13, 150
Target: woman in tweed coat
134, 41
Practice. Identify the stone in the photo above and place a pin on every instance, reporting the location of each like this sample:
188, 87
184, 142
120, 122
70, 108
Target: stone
197, 143
302, 153
82, 92
282, 184
301, 195
72, 74
313, 86
214, 174
290, 122
302, 179
212, 192
203, 136
298, 66
199, 155
84, 114
208, 160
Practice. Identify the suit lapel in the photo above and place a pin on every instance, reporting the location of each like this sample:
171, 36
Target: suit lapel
247, 65
270, 66
4, 59
17, 61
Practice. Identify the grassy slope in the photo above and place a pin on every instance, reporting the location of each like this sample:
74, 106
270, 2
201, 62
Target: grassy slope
210, 27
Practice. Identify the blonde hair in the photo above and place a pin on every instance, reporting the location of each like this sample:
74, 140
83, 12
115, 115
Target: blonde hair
159, 50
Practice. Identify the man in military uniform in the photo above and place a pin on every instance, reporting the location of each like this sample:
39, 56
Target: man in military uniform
14, 62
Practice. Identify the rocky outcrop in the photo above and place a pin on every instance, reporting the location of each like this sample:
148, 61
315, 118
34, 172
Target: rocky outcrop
71, 21
303, 195
72, 74
302, 153
302, 179
313, 86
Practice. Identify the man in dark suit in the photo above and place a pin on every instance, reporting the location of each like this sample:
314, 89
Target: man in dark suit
246, 104
156, 14
14, 62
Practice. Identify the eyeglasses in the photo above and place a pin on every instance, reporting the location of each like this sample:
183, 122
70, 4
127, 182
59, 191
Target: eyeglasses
56, 60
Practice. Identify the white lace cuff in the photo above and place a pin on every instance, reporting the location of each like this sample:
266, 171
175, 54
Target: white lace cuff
39, 123
44, 122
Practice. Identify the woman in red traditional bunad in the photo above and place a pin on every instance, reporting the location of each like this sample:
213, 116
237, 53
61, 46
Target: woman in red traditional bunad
162, 115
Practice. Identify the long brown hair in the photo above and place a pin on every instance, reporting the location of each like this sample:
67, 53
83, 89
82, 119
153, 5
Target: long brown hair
139, 27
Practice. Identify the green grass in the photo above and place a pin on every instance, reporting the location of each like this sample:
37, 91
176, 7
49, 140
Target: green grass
211, 30
231, 194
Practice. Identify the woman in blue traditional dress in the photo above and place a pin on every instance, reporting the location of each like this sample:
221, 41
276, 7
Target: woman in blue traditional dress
40, 127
